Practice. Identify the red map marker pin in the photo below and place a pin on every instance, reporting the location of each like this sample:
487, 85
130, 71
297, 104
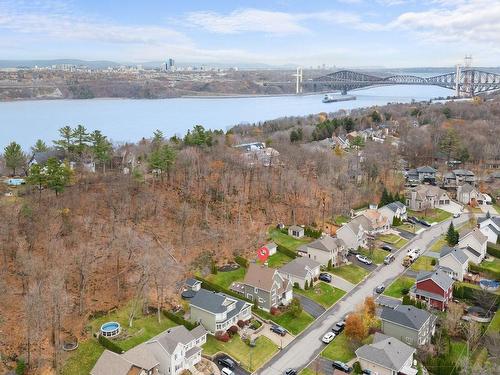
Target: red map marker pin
263, 254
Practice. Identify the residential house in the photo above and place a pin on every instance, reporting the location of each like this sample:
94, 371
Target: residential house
474, 244
394, 210
434, 287
266, 286
218, 311
325, 249
424, 197
468, 194
378, 222
296, 231
454, 262
271, 247
355, 232
458, 177
413, 326
301, 270
257, 152
490, 227
422, 174
340, 142
192, 284
387, 356
169, 353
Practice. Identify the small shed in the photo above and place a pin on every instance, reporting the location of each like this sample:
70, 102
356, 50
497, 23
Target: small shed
296, 231
272, 247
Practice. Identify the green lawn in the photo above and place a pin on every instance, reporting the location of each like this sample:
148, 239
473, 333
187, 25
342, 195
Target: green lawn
83, 359
342, 349
407, 227
287, 241
277, 260
225, 279
423, 263
377, 256
341, 219
250, 358
350, 272
495, 323
434, 215
396, 288
288, 321
438, 245
307, 371
493, 265
389, 238
324, 294
402, 241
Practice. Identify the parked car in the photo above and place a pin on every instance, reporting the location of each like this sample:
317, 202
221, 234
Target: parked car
424, 223
413, 219
363, 259
290, 371
279, 330
338, 328
353, 251
389, 258
341, 366
456, 214
379, 289
226, 362
328, 337
326, 277
387, 247
367, 372
226, 371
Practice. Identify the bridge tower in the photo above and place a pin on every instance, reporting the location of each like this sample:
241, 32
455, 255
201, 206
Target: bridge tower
298, 84
468, 76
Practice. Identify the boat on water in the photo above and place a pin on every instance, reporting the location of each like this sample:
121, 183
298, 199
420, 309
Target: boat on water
332, 99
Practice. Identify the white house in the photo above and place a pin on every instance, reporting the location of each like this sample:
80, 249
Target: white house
296, 231
490, 227
354, 233
394, 210
468, 194
325, 249
474, 244
454, 262
271, 247
301, 270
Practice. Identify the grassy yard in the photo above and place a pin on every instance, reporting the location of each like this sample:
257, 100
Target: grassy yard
240, 351
225, 279
277, 260
294, 325
402, 241
438, 245
378, 255
287, 241
350, 272
407, 227
324, 294
396, 288
341, 219
83, 359
389, 238
493, 265
434, 215
423, 263
495, 323
342, 349
307, 371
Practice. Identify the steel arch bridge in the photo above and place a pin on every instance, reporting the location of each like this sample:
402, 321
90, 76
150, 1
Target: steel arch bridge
470, 81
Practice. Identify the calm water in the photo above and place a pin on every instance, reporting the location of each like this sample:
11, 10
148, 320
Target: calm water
130, 120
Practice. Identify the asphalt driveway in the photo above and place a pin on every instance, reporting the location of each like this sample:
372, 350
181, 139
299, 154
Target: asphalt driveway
311, 307
352, 258
237, 370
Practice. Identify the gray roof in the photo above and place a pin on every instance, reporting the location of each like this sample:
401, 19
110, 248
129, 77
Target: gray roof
386, 351
192, 282
172, 337
426, 169
395, 206
427, 294
295, 227
406, 315
327, 243
110, 363
494, 230
270, 245
299, 267
463, 172
466, 188
439, 277
217, 302
472, 251
458, 254
142, 357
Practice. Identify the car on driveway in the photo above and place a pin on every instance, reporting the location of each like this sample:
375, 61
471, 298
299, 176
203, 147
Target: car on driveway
326, 277
353, 251
424, 223
338, 328
379, 289
279, 330
363, 259
341, 366
290, 371
226, 371
328, 337
226, 362
456, 214
387, 247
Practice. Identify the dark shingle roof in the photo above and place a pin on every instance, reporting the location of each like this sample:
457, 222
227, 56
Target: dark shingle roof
386, 351
406, 315
214, 302
299, 267
439, 277
458, 254
426, 169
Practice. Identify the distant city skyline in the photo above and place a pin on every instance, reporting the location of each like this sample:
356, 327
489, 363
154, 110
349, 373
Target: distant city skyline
388, 33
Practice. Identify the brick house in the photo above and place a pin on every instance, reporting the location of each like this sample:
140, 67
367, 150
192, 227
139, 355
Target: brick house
434, 287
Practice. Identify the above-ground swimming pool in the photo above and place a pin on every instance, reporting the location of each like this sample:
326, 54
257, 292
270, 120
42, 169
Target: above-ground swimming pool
489, 284
15, 181
110, 329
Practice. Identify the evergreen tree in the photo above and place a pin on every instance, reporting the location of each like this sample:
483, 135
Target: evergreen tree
81, 139
384, 199
40, 146
162, 159
14, 156
452, 235
58, 175
157, 140
66, 142
100, 147
37, 177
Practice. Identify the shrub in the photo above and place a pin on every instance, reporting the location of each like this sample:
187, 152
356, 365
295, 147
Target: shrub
433, 262
313, 233
255, 324
20, 367
232, 330
222, 336
295, 307
405, 291
214, 269
179, 320
241, 261
110, 345
241, 323
357, 367
329, 266
493, 250
487, 272
406, 300
284, 231
296, 285
306, 285
275, 310
286, 251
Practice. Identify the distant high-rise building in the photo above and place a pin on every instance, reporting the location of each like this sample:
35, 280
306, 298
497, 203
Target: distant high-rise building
171, 64
164, 67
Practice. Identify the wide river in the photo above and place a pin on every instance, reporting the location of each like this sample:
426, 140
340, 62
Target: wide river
130, 120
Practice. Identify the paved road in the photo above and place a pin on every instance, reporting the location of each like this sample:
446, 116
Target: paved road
308, 344
311, 307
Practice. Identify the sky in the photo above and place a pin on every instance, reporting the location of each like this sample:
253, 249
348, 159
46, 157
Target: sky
344, 33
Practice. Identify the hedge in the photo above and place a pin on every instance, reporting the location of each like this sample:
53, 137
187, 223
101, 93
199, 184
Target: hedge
179, 320
110, 345
493, 250
241, 261
487, 272
313, 233
217, 288
286, 251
